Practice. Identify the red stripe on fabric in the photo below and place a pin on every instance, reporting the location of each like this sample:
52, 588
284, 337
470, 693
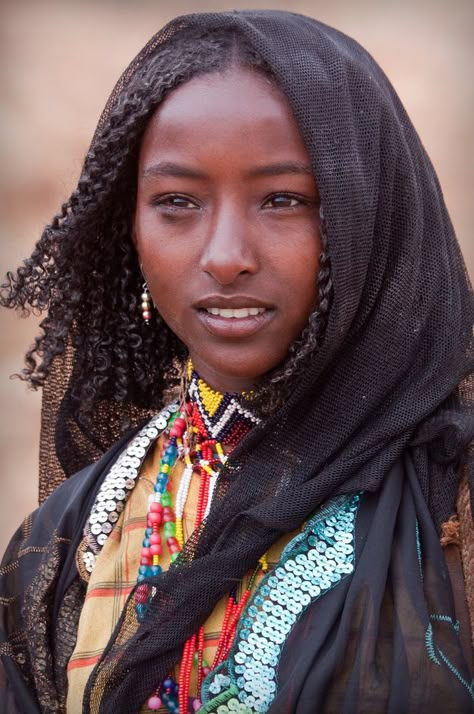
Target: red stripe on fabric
83, 662
133, 526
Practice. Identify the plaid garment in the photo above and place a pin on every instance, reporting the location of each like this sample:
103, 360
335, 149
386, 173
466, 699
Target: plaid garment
115, 573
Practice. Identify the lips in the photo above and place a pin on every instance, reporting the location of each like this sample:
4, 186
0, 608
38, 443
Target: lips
233, 317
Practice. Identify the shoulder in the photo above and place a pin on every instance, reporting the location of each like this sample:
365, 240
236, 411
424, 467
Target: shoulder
64, 512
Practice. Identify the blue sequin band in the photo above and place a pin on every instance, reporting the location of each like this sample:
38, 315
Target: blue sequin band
313, 563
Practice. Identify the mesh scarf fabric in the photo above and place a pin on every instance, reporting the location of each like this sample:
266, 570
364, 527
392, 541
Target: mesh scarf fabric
394, 374
41, 596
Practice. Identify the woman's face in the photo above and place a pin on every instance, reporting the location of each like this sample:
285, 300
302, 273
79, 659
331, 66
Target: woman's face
226, 224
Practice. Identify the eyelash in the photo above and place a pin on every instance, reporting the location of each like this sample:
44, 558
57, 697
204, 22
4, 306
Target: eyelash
166, 201
302, 201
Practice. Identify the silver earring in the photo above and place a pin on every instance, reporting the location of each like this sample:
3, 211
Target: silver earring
146, 304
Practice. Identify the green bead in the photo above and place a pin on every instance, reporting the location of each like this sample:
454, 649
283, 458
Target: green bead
165, 498
174, 556
169, 529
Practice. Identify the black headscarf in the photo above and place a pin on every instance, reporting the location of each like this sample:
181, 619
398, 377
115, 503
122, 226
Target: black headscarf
391, 387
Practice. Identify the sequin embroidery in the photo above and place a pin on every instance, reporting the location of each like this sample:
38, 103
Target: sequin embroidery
311, 565
118, 483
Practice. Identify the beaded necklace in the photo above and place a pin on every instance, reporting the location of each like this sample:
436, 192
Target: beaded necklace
196, 434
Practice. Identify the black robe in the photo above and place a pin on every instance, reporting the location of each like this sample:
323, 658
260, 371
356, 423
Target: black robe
385, 638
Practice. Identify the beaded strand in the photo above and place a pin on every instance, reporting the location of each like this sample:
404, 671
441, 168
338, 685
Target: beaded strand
196, 435
160, 513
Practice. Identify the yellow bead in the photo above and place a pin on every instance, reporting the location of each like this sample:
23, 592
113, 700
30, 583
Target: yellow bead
263, 562
179, 531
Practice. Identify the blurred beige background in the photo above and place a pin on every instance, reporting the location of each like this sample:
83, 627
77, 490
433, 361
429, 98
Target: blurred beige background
59, 61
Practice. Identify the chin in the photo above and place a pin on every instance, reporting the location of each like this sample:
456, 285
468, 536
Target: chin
233, 374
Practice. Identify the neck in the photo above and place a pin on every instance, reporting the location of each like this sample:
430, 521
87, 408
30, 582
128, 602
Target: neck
223, 382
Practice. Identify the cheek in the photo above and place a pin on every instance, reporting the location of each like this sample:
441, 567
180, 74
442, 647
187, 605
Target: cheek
165, 267
159, 252
166, 276
301, 269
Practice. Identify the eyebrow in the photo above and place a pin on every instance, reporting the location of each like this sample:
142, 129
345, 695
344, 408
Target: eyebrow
282, 168
169, 168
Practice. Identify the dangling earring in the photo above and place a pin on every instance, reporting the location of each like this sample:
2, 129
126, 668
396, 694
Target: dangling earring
146, 304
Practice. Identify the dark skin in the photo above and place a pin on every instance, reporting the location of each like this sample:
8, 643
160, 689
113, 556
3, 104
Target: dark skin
226, 224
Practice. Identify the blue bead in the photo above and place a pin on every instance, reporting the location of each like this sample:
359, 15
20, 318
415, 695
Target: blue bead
149, 531
156, 570
146, 542
140, 578
168, 683
143, 569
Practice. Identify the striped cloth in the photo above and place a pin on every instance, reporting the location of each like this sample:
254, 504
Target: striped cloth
115, 573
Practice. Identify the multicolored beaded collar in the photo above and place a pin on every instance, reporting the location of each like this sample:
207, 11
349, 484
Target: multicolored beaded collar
223, 417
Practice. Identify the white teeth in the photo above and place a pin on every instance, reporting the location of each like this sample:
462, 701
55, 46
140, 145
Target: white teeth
239, 312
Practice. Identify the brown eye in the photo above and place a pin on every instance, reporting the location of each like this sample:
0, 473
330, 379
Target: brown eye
173, 201
282, 200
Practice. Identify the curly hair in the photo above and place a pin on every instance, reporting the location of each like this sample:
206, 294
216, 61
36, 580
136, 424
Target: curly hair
84, 270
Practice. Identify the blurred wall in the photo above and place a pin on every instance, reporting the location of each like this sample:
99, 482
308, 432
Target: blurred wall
59, 61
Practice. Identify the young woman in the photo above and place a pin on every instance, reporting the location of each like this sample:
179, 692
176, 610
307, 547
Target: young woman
260, 324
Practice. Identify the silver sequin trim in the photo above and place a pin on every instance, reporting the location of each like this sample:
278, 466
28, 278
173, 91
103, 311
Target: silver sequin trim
118, 483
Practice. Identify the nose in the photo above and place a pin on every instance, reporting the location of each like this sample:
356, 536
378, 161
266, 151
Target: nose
229, 250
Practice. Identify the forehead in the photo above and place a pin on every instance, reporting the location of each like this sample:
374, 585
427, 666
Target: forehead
223, 110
